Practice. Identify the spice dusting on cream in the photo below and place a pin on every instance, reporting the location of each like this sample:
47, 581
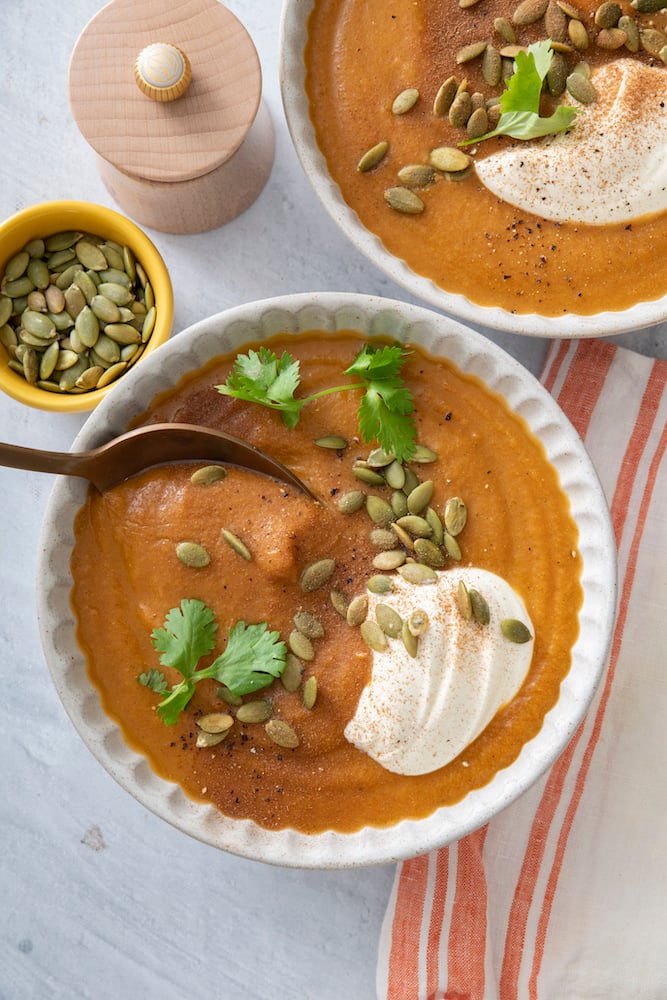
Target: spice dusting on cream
612, 167
418, 713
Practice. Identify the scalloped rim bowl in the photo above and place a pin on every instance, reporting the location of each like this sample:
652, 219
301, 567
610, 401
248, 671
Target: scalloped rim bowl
51, 217
293, 38
370, 316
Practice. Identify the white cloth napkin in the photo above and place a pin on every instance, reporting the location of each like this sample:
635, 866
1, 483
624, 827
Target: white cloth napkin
564, 895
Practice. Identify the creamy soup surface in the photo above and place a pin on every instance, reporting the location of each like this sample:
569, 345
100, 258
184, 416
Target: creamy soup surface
518, 527
468, 240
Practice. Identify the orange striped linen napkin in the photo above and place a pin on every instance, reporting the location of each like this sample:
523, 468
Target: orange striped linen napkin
563, 896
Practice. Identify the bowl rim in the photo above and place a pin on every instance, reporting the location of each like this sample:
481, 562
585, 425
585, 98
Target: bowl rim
36, 220
292, 44
472, 352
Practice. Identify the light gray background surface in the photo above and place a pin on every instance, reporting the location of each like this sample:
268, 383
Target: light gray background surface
98, 898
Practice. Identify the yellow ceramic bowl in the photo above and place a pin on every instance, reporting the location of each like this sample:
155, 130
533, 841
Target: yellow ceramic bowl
58, 216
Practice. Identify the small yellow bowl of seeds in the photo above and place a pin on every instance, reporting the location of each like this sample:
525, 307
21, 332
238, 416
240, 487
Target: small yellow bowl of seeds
84, 295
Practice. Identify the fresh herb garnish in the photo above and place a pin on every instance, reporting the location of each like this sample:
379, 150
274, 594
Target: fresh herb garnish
385, 411
520, 102
252, 658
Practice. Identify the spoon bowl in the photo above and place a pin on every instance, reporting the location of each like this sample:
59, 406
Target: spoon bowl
145, 447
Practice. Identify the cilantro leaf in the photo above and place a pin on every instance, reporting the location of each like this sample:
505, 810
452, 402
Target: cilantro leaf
520, 102
262, 377
187, 635
385, 411
253, 657
155, 680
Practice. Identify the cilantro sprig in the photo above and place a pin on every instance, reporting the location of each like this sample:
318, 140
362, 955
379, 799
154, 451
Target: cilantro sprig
385, 410
252, 658
520, 102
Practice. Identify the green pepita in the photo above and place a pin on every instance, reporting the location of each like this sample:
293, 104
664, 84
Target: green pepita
515, 630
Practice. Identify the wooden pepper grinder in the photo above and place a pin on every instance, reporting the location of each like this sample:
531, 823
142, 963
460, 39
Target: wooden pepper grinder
169, 97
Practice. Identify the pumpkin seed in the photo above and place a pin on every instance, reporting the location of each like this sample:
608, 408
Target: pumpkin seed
504, 28
192, 554
389, 560
444, 97
48, 360
607, 15
435, 524
399, 502
452, 546
647, 6
578, 34
557, 74
629, 26
492, 66
416, 175
340, 602
333, 442
207, 475
395, 475
317, 574
611, 38
652, 40
449, 159
61, 241
205, 740
418, 573
226, 695
351, 502
215, 722
420, 497
403, 200
515, 631
389, 620
405, 101
410, 641
402, 537
379, 584
384, 538
456, 515
38, 324
373, 636
555, 22
470, 52
379, 510
357, 610
291, 675
310, 692
480, 609
301, 645
411, 481
236, 544
368, 476
252, 712
111, 374
308, 624
373, 157
424, 455
418, 622
379, 458
529, 11
460, 110
90, 255
463, 600
581, 88
415, 525
478, 124
281, 733
429, 553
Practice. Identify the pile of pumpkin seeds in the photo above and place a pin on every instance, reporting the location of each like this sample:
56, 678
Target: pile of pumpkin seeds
76, 311
476, 113
412, 538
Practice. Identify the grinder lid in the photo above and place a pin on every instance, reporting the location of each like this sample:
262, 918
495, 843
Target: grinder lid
141, 120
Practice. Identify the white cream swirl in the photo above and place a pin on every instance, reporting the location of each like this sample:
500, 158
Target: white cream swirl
611, 167
418, 713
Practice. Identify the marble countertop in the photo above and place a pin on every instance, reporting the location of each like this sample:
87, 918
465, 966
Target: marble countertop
100, 899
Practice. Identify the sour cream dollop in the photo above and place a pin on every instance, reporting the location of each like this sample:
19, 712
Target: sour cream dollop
611, 167
418, 713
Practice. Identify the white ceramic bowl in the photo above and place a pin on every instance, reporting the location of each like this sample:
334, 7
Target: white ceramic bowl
294, 33
472, 353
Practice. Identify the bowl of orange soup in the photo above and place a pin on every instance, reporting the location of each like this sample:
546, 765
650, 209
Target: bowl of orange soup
391, 107
353, 676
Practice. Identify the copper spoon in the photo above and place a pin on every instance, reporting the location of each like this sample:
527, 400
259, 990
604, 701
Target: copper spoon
145, 447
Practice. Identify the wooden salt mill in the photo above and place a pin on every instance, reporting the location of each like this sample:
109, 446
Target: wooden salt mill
169, 97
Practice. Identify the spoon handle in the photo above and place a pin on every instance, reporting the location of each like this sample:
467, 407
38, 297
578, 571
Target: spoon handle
13, 456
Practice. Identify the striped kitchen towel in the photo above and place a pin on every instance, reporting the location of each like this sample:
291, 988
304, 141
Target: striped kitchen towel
563, 896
